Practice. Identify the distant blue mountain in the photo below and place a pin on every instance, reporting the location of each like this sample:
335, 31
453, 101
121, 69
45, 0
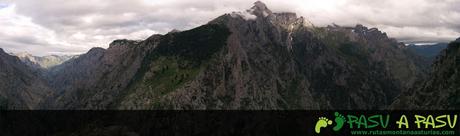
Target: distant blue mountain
428, 51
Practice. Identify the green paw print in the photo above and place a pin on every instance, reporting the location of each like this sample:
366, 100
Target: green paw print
339, 120
322, 122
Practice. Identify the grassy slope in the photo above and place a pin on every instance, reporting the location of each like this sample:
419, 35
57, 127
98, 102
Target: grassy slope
177, 60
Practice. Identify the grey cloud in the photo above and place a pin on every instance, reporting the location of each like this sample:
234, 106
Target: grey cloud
25, 40
82, 24
39, 50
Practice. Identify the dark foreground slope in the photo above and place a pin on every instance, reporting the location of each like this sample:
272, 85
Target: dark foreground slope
21, 87
254, 59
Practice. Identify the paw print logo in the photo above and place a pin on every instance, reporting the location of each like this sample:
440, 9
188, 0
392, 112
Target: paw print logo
339, 120
324, 122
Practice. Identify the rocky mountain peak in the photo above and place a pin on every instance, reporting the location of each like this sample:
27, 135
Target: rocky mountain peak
360, 27
23, 54
289, 19
372, 32
96, 50
121, 42
261, 12
174, 31
39, 62
260, 9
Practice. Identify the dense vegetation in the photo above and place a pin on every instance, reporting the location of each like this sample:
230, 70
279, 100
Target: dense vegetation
177, 59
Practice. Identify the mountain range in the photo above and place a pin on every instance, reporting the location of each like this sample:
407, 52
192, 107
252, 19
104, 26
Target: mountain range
441, 91
21, 86
44, 62
429, 52
254, 59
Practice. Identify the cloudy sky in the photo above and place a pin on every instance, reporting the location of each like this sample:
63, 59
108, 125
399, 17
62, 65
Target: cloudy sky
44, 27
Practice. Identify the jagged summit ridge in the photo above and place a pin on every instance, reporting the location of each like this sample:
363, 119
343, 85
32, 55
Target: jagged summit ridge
262, 12
23, 54
42, 62
260, 9
121, 42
